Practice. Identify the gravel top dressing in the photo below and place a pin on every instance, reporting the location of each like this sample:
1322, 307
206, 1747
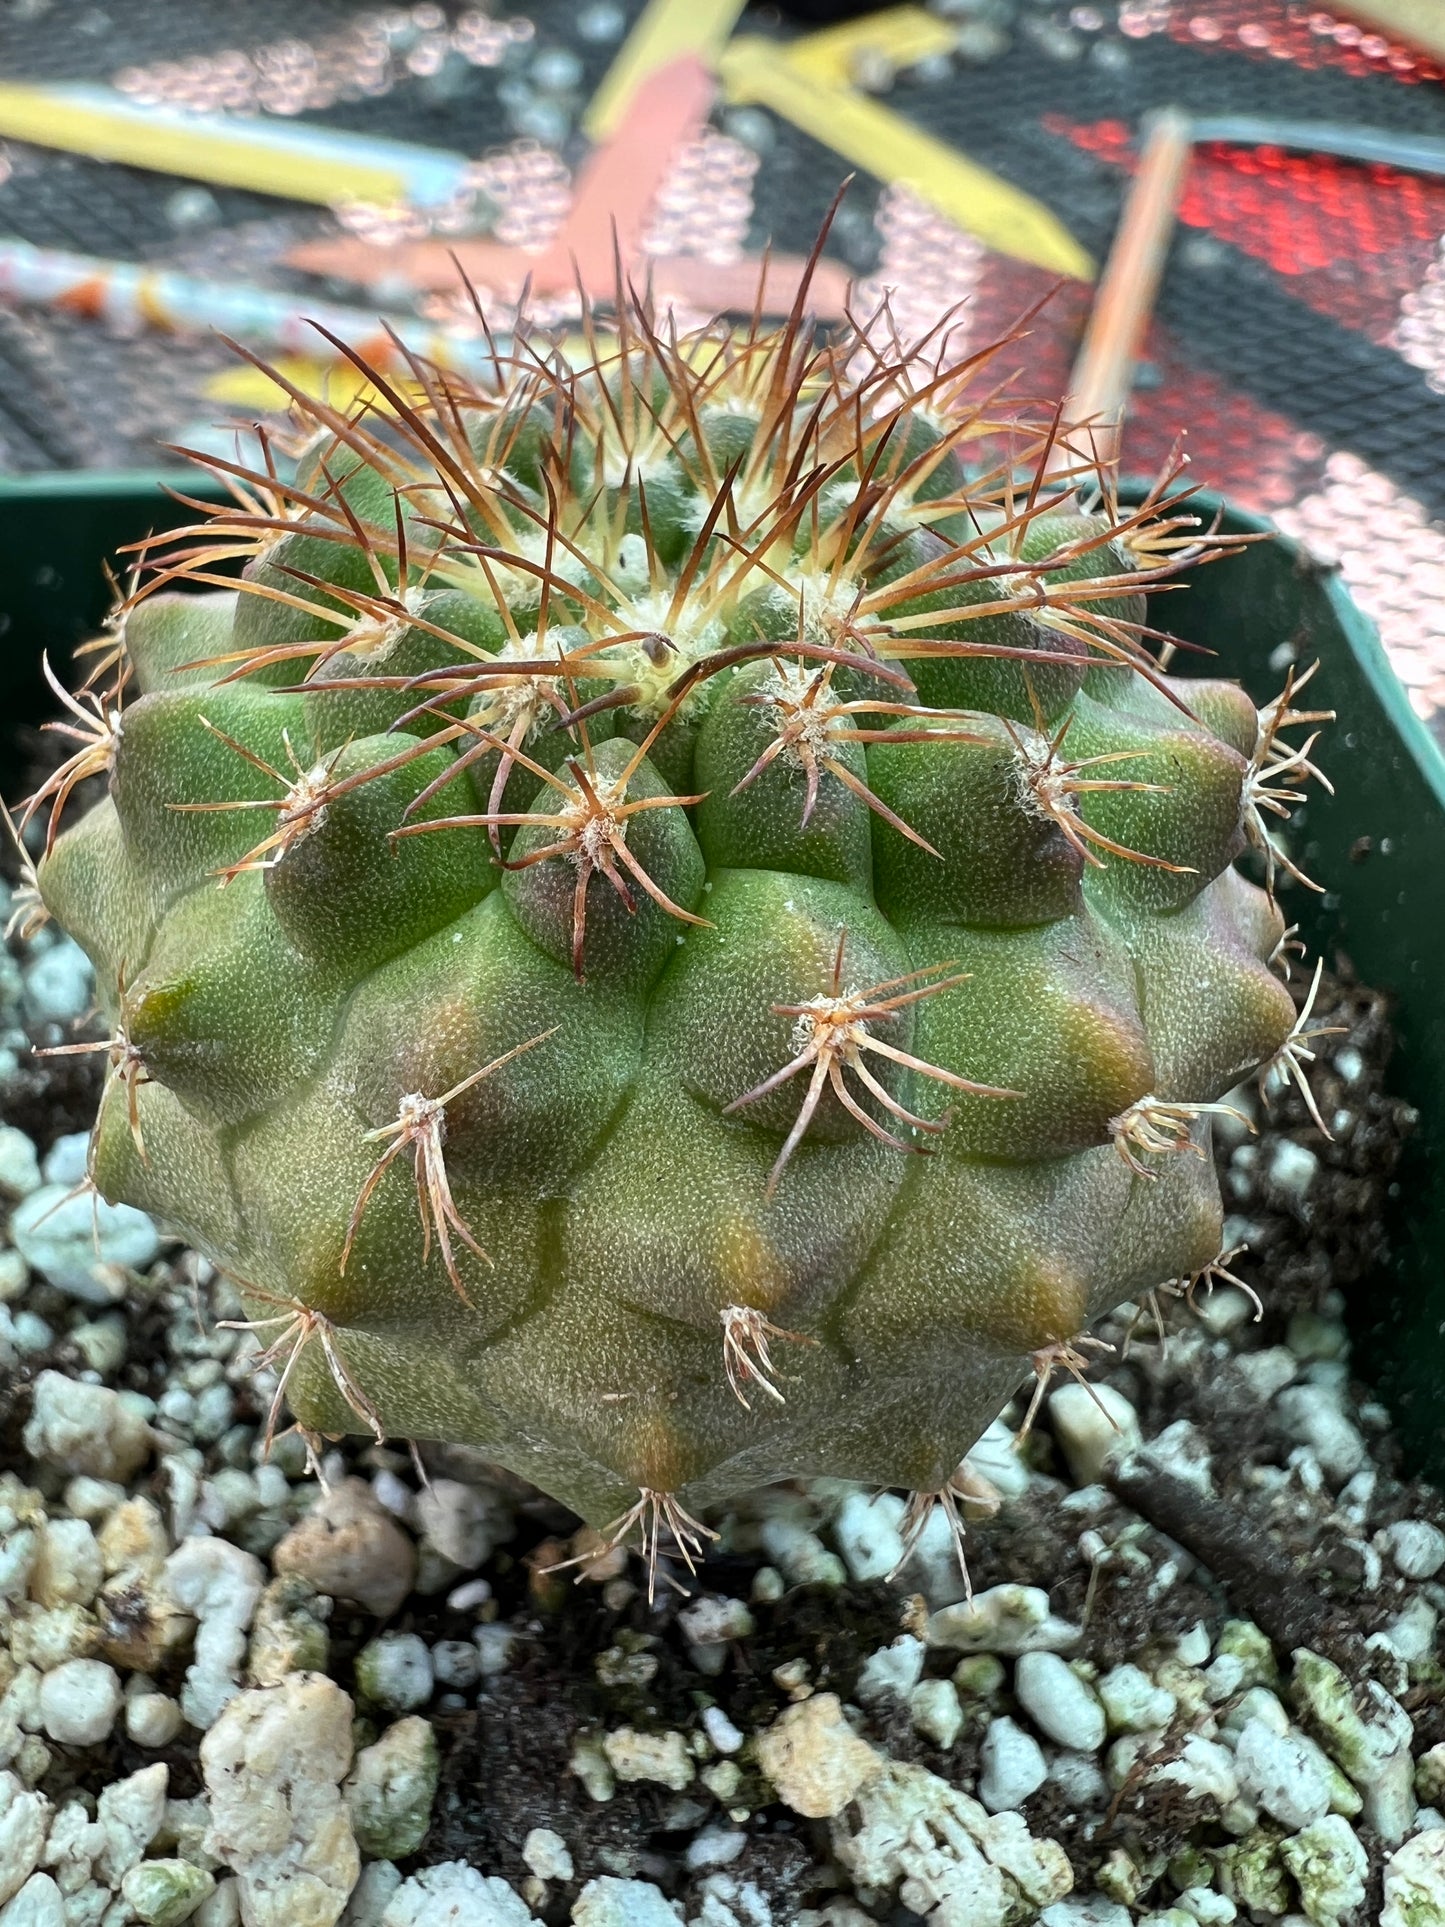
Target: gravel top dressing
1197, 1681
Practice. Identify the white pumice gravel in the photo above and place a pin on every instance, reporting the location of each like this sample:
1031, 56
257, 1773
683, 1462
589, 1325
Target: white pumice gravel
78, 1702
1063, 1706
1013, 1766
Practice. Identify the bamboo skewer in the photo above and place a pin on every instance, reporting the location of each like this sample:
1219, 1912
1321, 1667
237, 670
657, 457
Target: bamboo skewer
1104, 371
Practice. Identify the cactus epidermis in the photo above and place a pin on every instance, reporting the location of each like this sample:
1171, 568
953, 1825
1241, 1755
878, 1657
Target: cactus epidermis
671, 927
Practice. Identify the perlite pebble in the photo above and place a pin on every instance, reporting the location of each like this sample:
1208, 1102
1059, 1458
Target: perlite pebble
936, 1711
66, 1160
463, 1522
152, 1719
662, 1757
19, 1166
1374, 1748
814, 1759
87, 1429
39, 1903
891, 1673
395, 1672
390, 1792
1004, 1619
1013, 1766
14, 1276
81, 1245
273, 1763
219, 1584
452, 1894
1086, 1910
1094, 1425
546, 1853
1058, 1702
725, 1737
456, 1664
163, 1893
1415, 1883
1411, 1633
1132, 1702
1209, 1908
610, 1902
372, 1894
1416, 1547
1310, 1415
59, 984
1329, 1868
714, 1847
129, 1814
79, 1702
349, 1547
1282, 1775
24, 1824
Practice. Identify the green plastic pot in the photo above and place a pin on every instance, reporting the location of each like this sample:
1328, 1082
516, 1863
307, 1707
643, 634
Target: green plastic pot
1378, 843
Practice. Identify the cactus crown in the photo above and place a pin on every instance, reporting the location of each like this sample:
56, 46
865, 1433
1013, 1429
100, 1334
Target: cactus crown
672, 926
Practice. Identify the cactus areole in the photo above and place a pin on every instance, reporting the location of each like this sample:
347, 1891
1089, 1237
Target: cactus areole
671, 927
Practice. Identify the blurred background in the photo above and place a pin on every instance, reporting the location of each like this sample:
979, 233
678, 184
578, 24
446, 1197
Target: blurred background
171, 170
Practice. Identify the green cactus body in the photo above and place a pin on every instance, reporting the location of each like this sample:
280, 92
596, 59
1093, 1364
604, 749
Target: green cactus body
664, 933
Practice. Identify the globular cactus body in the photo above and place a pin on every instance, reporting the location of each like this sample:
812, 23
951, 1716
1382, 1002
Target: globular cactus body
666, 932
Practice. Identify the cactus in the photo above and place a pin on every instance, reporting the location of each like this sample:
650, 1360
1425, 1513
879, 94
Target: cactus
671, 926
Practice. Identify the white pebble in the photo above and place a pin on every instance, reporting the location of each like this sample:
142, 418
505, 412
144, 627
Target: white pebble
725, 1737
1080, 1779
469, 1595
1086, 1910
129, 1813
456, 1663
1415, 1882
1292, 1168
661, 1757
273, 1765
39, 1903
14, 1276
1004, 1619
1058, 1702
890, 1673
494, 1646
82, 1245
997, 1456
1281, 1775
220, 1584
1013, 1766
79, 1702
87, 1429
452, 1894
1416, 1547
1132, 1701
1209, 1908
152, 1719
1193, 1648
24, 1824
610, 1902
1411, 1633
1267, 1372
464, 1522
1182, 1450
60, 984
936, 1711
66, 1160
1310, 1415
395, 1672
1094, 1425
546, 1853
714, 1847
19, 1166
